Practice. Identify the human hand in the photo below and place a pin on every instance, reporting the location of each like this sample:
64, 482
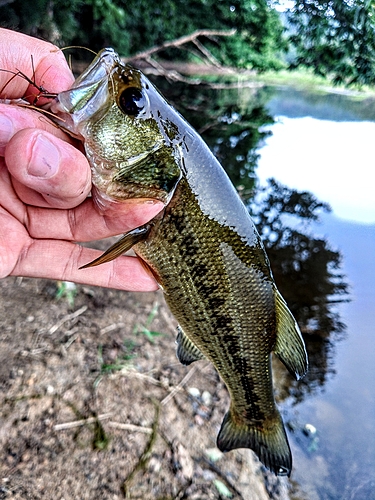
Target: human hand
45, 181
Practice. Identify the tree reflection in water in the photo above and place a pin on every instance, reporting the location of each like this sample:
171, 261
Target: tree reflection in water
306, 269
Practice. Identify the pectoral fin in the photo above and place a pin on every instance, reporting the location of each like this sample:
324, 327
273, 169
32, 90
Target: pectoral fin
187, 352
290, 347
121, 246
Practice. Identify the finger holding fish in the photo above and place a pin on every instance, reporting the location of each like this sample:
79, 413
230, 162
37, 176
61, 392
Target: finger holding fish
42, 62
72, 224
14, 118
44, 196
31, 241
60, 260
46, 171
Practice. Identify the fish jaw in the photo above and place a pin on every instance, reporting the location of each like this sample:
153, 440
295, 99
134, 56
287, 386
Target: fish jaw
119, 144
88, 96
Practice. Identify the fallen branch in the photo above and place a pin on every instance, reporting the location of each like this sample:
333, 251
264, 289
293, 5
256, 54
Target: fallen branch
201, 51
178, 42
146, 455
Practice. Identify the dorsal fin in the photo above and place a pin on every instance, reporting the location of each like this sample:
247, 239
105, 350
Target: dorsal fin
290, 347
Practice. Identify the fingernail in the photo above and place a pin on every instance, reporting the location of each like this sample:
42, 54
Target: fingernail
45, 158
6, 132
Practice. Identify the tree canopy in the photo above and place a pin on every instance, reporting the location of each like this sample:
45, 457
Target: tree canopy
336, 38
134, 25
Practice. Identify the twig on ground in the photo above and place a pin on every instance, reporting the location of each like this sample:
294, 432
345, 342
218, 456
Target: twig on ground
130, 427
66, 318
110, 328
146, 455
179, 386
80, 423
142, 376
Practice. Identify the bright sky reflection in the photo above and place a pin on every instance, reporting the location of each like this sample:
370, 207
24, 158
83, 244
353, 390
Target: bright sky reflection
334, 160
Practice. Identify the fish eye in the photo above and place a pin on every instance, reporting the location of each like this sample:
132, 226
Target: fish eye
132, 101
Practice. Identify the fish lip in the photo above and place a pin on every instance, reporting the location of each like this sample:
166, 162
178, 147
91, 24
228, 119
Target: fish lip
101, 67
88, 94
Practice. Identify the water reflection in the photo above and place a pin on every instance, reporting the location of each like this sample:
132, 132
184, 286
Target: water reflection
231, 121
306, 268
307, 272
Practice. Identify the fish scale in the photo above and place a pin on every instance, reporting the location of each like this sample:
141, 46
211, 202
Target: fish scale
189, 295
203, 248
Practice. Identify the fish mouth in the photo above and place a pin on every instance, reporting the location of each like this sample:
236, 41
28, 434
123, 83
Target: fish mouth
88, 94
99, 69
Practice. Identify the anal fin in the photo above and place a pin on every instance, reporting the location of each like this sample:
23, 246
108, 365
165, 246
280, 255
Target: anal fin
187, 352
289, 347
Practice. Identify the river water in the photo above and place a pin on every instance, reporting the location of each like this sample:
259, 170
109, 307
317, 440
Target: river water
333, 429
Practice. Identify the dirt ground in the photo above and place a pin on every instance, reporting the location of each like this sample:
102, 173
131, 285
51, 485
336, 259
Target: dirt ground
95, 405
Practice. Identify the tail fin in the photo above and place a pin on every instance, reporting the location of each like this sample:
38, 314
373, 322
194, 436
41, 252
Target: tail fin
269, 443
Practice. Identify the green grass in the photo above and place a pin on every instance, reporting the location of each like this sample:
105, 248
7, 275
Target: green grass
67, 290
144, 329
306, 79
119, 364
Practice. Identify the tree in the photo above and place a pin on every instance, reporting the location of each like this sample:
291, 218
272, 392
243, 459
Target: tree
134, 25
336, 38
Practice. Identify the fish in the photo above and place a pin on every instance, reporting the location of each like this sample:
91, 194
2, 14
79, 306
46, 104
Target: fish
203, 248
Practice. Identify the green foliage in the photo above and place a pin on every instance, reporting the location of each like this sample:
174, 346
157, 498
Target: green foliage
134, 25
336, 38
55, 21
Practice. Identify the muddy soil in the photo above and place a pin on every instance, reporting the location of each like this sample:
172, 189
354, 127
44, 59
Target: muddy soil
95, 405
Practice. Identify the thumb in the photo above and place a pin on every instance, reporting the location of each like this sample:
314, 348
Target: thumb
47, 171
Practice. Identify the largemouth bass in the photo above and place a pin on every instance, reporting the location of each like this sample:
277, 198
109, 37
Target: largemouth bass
203, 248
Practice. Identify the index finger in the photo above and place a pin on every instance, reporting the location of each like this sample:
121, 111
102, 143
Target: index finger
40, 61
